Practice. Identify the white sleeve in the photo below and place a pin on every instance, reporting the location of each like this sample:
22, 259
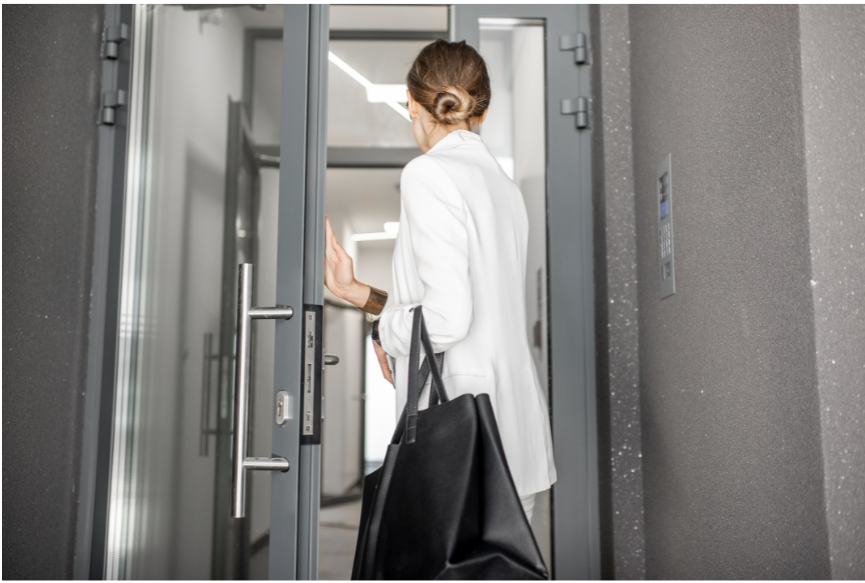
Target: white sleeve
437, 228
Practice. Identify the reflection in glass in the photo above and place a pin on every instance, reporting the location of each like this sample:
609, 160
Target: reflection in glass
199, 201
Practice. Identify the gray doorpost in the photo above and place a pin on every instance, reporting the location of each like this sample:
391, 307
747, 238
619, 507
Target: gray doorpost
300, 261
576, 545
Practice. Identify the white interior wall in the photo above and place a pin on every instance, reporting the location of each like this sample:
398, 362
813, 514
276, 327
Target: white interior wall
341, 403
358, 201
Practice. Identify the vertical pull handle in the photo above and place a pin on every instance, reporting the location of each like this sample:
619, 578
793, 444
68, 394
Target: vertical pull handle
205, 395
240, 463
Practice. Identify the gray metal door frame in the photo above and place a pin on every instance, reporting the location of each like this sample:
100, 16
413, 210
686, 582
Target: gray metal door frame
575, 517
90, 533
295, 494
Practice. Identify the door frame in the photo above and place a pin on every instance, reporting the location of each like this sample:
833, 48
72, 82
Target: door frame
295, 495
111, 175
295, 501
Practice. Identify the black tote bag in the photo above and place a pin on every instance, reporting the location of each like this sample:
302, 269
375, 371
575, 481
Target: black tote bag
443, 505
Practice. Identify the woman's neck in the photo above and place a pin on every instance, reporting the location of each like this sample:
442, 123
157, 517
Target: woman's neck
440, 132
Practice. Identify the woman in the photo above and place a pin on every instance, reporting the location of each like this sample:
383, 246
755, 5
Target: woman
461, 254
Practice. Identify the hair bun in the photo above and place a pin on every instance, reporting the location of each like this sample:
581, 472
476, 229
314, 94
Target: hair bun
452, 105
450, 81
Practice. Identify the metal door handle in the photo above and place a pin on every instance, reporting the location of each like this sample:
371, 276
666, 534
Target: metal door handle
206, 431
331, 359
240, 463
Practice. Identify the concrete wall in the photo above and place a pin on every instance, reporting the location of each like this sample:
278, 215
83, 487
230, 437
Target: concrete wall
51, 79
731, 432
616, 315
833, 96
751, 377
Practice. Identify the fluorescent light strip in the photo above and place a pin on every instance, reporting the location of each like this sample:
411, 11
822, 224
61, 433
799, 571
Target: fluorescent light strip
369, 86
373, 236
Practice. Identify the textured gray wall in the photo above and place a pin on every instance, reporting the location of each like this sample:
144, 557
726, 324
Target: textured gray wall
732, 461
833, 96
50, 96
619, 444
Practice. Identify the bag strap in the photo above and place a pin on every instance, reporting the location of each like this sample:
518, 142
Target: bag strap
419, 335
436, 396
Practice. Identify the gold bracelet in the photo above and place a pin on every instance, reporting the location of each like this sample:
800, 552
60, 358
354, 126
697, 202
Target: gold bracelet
376, 301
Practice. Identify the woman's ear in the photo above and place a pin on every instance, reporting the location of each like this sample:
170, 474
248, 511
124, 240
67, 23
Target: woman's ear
412, 104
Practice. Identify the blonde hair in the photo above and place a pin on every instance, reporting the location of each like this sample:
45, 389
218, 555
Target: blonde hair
450, 81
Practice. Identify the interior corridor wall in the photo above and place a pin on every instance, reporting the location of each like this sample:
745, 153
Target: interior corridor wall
833, 96
732, 459
51, 78
620, 467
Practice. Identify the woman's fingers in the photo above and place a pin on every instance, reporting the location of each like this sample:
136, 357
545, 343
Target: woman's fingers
328, 239
339, 251
340, 268
382, 361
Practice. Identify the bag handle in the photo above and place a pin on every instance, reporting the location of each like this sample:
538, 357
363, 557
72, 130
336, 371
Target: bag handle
419, 335
435, 397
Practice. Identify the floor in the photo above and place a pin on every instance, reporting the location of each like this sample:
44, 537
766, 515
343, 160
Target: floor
337, 538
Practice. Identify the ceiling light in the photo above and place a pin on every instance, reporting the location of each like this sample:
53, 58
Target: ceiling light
382, 93
389, 94
391, 230
373, 236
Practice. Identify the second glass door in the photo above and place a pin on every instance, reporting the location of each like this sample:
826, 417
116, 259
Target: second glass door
202, 196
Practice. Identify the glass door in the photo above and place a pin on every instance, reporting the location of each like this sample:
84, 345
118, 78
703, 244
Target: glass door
211, 464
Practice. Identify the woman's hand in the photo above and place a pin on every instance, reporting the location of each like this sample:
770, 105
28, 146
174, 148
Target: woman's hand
339, 278
339, 271
382, 361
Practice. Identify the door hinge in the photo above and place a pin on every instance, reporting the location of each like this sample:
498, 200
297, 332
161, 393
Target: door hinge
112, 36
576, 43
111, 100
578, 107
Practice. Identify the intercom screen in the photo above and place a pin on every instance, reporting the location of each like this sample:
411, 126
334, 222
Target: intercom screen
664, 194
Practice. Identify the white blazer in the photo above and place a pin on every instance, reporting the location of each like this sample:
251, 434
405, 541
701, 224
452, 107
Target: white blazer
461, 254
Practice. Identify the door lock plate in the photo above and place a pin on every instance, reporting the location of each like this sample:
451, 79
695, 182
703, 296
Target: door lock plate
310, 384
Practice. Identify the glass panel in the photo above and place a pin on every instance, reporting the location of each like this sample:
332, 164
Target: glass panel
199, 201
515, 133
